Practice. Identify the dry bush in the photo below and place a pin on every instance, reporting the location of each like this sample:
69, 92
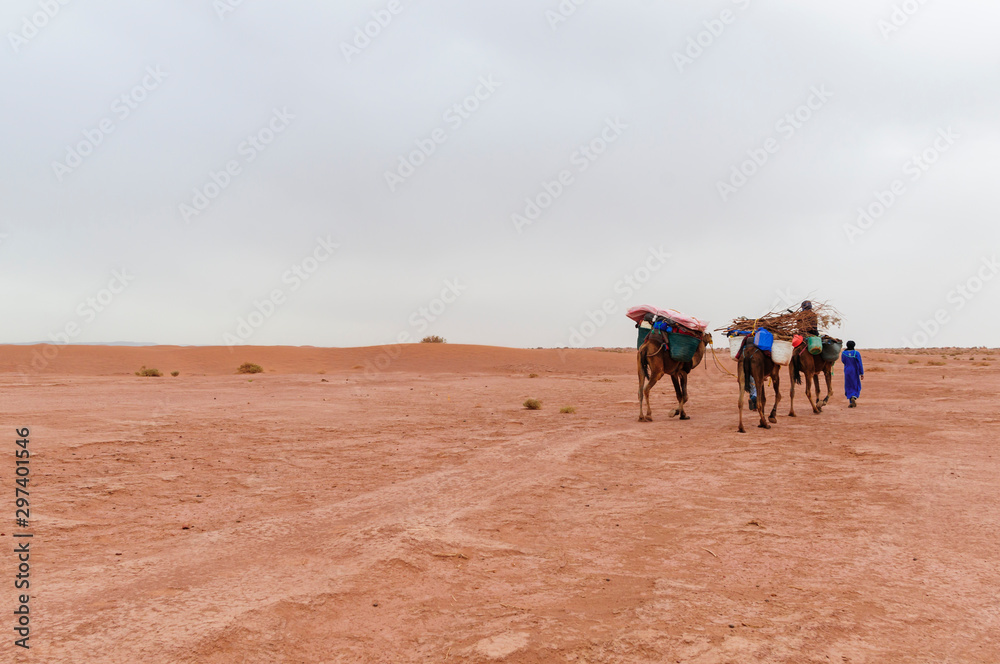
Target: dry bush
250, 368
175, 373
568, 410
533, 375
936, 363
433, 339
913, 361
154, 373
533, 404
876, 369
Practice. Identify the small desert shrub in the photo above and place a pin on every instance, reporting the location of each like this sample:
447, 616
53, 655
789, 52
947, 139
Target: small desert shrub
433, 339
175, 373
876, 369
250, 368
934, 363
568, 410
533, 404
913, 361
155, 373
532, 375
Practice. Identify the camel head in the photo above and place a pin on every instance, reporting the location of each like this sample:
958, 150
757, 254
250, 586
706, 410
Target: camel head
706, 338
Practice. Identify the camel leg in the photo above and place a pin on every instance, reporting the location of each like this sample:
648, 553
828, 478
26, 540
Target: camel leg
642, 383
684, 395
791, 388
819, 404
677, 392
742, 381
649, 386
828, 372
776, 377
758, 376
810, 378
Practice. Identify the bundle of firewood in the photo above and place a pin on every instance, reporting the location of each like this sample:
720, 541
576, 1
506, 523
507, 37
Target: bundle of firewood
786, 324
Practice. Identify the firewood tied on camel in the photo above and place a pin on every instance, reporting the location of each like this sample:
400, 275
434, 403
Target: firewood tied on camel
786, 324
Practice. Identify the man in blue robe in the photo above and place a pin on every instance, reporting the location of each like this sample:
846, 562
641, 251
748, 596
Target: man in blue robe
854, 373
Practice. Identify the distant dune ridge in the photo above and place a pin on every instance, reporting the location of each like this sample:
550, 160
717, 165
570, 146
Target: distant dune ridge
89, 360
96, 360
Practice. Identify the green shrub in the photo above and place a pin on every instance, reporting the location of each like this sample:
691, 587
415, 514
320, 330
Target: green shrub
533, 404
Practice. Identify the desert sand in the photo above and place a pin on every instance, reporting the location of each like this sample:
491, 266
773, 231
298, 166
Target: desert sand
400, 505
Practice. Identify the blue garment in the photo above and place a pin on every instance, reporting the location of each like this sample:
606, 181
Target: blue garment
853, 371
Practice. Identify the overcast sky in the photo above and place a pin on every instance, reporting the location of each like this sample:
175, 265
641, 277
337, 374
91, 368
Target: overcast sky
495, 172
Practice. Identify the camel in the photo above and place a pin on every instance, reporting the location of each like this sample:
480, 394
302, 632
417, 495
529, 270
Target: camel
755, 363
812, 366
654, 362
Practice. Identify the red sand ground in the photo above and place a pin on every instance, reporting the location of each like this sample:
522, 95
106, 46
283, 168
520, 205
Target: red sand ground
320, 514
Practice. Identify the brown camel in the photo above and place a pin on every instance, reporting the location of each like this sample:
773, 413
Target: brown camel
654, 362
812, 366
755, 363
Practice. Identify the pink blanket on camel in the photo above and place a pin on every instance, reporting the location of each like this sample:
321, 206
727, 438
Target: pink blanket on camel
690, 322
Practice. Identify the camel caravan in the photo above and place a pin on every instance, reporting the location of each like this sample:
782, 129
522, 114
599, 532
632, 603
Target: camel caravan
672, 343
